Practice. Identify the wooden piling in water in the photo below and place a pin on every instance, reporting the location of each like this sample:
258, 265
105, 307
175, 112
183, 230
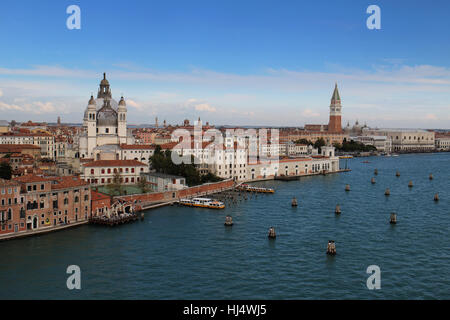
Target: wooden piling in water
272, 234
228, 221
338, 209
436, 197
331, 248
347, 187
393, 218
387, 192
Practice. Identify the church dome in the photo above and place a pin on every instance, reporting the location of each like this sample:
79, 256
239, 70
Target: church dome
107, 116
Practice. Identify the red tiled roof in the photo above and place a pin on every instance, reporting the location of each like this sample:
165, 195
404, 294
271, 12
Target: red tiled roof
68, 182
13, 148
4, 183
114, 163
95, 195
137, 146
29, 178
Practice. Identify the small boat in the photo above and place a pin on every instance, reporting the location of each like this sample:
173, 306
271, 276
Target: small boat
366, 162
246, 187
202, 203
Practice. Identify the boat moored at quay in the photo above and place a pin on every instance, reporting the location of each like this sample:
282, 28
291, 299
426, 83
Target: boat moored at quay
202, 203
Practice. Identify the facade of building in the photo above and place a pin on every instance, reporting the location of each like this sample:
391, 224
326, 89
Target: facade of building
442, 142
382, 143
327, 162
12, 213
45, 141
165, 182
33, 202
104, 123
411, 140
103, 172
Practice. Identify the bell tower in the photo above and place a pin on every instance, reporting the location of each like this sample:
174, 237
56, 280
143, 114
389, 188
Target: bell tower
334, 125
91, 127
122, 121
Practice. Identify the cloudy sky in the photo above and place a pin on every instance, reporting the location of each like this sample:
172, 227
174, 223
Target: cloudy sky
229, 62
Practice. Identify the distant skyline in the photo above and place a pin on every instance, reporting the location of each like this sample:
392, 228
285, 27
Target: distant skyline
271, 63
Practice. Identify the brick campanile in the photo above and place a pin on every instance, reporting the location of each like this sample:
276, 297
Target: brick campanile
334, 125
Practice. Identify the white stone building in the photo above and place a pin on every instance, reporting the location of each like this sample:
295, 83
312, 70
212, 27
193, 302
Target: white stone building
103, 172
104, 123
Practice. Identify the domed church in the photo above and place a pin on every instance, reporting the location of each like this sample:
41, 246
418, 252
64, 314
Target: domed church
104, 124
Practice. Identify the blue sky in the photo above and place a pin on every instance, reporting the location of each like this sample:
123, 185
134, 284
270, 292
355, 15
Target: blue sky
229, 62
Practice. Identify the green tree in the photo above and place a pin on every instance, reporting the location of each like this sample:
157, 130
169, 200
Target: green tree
319, 144
116, 186
143, 185
5, 171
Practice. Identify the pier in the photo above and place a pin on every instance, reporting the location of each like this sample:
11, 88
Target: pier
115, 220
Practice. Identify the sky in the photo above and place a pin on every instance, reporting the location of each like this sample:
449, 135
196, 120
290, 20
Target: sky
229, 62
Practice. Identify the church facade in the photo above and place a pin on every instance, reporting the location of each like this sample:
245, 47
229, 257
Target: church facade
104, 126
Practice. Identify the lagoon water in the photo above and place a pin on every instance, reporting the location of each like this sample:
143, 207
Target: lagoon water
187, 253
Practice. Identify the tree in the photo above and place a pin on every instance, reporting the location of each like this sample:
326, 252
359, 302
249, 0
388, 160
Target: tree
319, 144
304, 141
5, 171
116, 186
162, 162
143, 185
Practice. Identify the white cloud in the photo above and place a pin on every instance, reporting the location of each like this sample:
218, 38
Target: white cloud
431, 116
133, 104
396, 93
205, 107
308, 113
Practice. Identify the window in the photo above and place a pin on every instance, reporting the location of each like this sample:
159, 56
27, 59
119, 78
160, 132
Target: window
77, 199
92, 171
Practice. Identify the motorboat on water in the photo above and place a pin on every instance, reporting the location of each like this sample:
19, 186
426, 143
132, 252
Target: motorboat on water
202, 203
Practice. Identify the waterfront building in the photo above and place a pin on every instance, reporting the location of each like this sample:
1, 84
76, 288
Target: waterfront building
295, 149
33, 202
382, 143
103, 172
100, 203
287, 166
104, 123
407, 140
12, 214
164, 182
442, 142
